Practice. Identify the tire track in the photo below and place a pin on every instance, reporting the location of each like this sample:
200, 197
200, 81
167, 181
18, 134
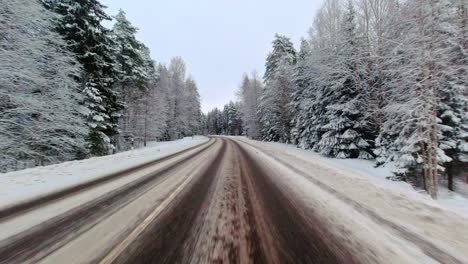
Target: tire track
169, 239
229, 233
286, 235
233, 213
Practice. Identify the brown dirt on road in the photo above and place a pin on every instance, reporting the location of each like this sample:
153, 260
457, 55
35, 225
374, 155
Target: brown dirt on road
233, 213
168, 238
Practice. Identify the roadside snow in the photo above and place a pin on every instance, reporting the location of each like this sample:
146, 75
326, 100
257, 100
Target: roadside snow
26, 184
377, 176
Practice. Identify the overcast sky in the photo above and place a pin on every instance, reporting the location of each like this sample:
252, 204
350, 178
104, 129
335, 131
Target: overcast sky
218, 39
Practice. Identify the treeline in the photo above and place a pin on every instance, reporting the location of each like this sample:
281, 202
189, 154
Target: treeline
238, 118
227, 121
384, 80
71, 88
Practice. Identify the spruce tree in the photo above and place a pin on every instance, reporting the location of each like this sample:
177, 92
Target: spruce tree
346, 131
301, 96
80, 23
131, 78
450, 64
193, 108
250, 91
129, 54
274, 106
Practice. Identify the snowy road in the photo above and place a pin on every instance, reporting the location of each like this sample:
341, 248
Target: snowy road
230, 201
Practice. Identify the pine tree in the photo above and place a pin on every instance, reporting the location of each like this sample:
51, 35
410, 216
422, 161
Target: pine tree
148, 102
249, 94
132, 77
193, 108
423, 132
303, 94
452, 115
214, 122
233, 119
167, 97
179, 120
274, 103
346, 132
250, 91
80, 23
129, 52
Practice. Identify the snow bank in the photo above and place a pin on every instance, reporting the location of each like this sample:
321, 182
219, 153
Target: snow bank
27, 184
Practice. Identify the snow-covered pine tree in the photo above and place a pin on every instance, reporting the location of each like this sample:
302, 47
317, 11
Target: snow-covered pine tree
346, 131
225, 122
451, 50
41, 119
182, 100
149, 118
80, 22
324, 39
375, 20
193, 109
423, 131
301, 98
164, 88
233, 119
132, 76
214, 122
130, 60
250, 91
274, 108
179, 121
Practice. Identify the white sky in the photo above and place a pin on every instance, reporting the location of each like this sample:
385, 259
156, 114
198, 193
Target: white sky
218, 39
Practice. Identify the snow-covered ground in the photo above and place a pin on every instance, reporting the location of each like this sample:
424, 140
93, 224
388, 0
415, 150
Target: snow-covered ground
30, 183
377, 176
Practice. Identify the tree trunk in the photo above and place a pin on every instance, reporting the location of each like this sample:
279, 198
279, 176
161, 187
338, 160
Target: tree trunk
450, 176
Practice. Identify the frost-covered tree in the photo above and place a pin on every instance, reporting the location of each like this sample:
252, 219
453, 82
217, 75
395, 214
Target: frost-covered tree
225, 122
132, 78
193, 108
166, 95
214, 122
179, 120
388, 80
181, 105
232, 119
155, 105
41, 119
451, 49
142, 118
80, 23
345, 131
250, 91
129, 53
428, 137
274, 108
304, 131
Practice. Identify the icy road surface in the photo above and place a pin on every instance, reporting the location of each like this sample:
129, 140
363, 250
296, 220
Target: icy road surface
230, 200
